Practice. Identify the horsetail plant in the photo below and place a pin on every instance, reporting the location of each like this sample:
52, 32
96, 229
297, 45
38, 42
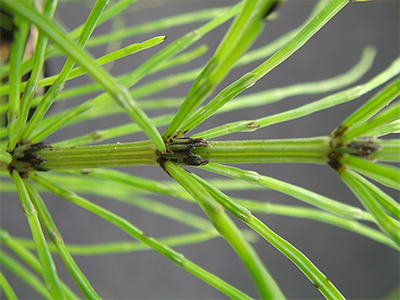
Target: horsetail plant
363, 150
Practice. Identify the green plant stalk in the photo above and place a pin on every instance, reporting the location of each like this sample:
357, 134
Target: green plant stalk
79, 71
266, 286
117, 91
373, 106
112, 132
240, 36
274, 95
305, 110
6, 288
385, 174
252, 77
51, 51
308, 150
128, 246
169, 51
178, 46
49, 270
386, 116
305, 88
31, 260
390, 150
5, 157
387, 202
392, 127
143, 184
157, 25
113, 9
130, 229
16, 54
58, 84
269, 49
189, 55
361, 189
24, 274
314, 150
108, 107
99, 156
299, 259
123, 192
322, 202
320, 216
38, 61
55, 236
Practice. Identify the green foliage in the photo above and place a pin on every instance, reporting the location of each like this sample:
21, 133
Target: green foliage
74, 166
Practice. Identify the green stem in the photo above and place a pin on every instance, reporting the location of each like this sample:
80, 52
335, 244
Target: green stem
310, 150
6, 288
99, 156
16, 54
49, 274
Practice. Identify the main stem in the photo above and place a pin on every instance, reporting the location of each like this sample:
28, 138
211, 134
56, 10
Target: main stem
306, 150
185, 151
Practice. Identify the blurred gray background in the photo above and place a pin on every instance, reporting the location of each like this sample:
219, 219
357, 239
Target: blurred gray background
359, 267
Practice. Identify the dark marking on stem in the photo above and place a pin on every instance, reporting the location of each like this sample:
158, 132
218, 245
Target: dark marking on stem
25, 159
271, 9
327, 279
55, 237
179, 151
161, 161
97, 135
338, 134
253, 125
145, 235
334, 161
364, 148
86, 171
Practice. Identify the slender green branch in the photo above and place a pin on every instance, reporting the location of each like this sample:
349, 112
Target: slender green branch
16, 54
322, 202
307, 109
267, 287
6, 288
55, 236
320, 216
370, 108
299, 259
7, 261
385, 174
133, 231
30, 259
240, 36
50, 275
129, 246
38, 62
59, 83
361, 189
249, 79
390, 150
109, 83
5, 157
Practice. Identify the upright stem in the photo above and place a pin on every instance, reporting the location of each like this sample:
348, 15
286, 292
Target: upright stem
98, 156
185, 151
310, 150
